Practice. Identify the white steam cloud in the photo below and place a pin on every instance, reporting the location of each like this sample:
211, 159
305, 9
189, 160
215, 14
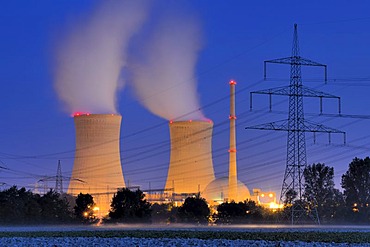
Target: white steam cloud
89, 59
164, 72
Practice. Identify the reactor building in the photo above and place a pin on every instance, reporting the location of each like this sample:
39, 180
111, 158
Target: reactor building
97, 166
191, 167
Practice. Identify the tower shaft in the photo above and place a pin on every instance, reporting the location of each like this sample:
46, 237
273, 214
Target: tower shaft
296, 144
233, 178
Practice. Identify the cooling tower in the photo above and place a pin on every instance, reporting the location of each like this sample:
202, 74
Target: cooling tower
191, 167
97, 166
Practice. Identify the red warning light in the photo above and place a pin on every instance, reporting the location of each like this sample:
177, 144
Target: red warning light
232, 117
171, 121
190, 120
232, 82
232, 150
77, 114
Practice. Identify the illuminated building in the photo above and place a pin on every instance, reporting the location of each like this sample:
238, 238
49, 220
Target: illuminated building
266, 199
217, 191
191, 167
97, 166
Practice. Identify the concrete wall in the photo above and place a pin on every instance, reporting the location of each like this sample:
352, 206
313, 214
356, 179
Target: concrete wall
191, 166
97, 166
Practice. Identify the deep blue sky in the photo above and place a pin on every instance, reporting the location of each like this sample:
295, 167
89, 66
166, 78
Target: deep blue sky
35, 132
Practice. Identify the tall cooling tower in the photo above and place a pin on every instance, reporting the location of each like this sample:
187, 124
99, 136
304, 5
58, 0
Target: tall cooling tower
191, 167
97, 166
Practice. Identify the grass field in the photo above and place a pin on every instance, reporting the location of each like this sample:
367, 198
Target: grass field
326, 236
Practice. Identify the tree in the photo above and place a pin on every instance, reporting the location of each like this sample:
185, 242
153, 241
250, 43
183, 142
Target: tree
194, 210
163, 213
320, 192
84, 209
290, 197
231, 212
129, 206
54, 209
18, 206
356, 185
236, 213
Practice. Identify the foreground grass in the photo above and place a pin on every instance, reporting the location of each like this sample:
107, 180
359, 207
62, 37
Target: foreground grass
307, 236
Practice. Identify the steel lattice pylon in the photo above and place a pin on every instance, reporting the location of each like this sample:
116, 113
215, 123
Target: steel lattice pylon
59, 179
296, 126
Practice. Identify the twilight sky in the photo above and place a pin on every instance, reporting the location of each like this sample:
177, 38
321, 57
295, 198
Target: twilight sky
36, 130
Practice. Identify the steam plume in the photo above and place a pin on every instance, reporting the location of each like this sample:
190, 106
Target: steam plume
89, 59
164, 74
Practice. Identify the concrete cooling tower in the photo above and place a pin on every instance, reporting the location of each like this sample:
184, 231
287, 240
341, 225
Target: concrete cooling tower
191, 166
97, 166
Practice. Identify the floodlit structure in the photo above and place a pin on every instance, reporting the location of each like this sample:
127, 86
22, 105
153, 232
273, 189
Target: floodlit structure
266, 199
191, 166
217, 192
228, 188
233, 177
97, 166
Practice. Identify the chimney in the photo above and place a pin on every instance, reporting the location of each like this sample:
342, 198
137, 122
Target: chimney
233, 179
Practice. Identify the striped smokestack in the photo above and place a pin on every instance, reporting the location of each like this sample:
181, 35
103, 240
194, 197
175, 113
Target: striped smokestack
233, 179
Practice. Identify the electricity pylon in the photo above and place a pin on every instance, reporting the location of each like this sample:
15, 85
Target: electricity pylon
296, 126
59, 179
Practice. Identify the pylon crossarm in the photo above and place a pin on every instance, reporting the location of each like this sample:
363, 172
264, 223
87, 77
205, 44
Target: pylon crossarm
275, 91
320, 128
296, 60
309, 92
315, 127
307, 126
305, 92
281, 125
272, 91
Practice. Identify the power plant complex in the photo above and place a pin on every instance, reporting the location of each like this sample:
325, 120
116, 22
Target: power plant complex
97, 166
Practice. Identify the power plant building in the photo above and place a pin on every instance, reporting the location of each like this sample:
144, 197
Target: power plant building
191, 166
97, 166
217, 192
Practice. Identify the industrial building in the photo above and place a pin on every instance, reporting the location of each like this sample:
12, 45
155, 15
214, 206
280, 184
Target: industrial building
97, 166
191, 167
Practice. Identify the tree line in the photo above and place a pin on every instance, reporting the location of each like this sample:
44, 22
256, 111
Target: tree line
19, 206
